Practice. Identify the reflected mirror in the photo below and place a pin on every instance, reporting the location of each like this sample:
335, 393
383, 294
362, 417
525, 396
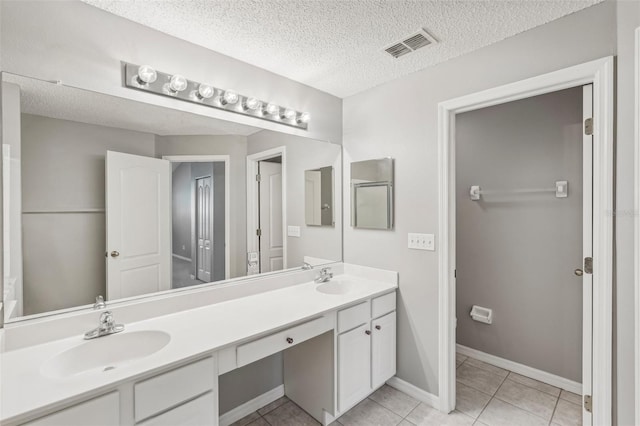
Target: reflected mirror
318, 196
113, 197
372, 194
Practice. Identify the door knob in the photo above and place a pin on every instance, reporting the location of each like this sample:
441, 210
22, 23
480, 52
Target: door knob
115, 253
578, 272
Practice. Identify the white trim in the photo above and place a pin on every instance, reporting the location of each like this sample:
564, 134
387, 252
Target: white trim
600, 74
414, 391
251, 406
637, 216
524, 370
252, 190
181, 257
227, 196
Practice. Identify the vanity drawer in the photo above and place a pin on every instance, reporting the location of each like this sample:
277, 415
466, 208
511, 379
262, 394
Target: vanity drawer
200, 411
354, 316
170, 389
260, 348
383, 305
104, 410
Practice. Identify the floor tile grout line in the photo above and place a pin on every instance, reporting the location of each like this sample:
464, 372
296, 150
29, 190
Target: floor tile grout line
554, 410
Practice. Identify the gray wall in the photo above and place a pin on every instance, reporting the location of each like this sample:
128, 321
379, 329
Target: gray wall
181, 210
516, 253
83, 46
407, 130
63, 168
218, 222
324, 242
236, 148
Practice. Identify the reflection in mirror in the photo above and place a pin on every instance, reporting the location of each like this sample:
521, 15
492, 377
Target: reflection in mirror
372, 194
318, 196
109, 196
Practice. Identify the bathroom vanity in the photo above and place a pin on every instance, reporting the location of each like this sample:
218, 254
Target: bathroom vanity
338, 341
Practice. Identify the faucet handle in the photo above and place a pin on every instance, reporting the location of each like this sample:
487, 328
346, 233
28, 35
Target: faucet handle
106, 318
99, 303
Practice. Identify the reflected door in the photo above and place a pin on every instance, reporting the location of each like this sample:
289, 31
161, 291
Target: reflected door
138, 209
270, 202
204, 227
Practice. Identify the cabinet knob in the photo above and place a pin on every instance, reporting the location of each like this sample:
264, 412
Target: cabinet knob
367, 332
289, 340
378, 327
115, 254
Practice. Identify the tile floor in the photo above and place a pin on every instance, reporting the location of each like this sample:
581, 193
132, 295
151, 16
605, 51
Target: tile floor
486, 396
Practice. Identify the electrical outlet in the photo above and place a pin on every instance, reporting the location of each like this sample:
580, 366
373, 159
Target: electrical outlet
421, 241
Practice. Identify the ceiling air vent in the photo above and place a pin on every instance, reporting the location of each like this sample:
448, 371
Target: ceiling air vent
411, 44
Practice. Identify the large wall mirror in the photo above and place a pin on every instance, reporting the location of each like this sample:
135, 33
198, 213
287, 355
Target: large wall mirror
113, 197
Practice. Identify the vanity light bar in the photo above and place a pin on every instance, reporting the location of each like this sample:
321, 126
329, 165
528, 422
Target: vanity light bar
147, 79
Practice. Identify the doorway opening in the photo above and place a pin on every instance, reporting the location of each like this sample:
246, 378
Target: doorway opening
596, 225
266, 211
199, 219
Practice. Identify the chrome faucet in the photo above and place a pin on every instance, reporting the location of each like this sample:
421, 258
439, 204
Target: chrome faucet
107, 326
325, 275
100, 304
307, 266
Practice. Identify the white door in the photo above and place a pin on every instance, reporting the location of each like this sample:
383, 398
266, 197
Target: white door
313, 197
587, 249
270, 217
354, 366
383, 349
138, 210
204, 227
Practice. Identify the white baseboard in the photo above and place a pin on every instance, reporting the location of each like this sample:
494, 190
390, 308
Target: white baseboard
525, 370
250, 406
414, 392
181, 257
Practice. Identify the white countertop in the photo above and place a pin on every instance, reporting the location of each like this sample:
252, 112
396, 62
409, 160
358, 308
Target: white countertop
24, 389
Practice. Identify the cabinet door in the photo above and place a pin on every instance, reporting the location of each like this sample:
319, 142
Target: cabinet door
383, 349
198, 412
101, 411
354, 366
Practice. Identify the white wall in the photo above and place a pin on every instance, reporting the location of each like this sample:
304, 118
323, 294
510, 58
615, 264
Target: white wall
516, 253
399, 119
324, 242
82, 46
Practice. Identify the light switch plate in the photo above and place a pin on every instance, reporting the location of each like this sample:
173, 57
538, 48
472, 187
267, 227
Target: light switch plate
293, 231
421, 241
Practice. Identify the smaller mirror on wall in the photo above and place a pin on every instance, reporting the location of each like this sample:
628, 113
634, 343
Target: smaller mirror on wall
318, 197
372, 194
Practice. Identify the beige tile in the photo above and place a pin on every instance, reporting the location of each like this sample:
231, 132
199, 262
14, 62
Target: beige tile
539, 403
247, 419
405, 423
470, 401
488, 367
396, 401
567, 414
273, 405
499, 413
478, 378
460, 358
369, 413
289, 414
259, 422
571, 397
543, 387
423, 415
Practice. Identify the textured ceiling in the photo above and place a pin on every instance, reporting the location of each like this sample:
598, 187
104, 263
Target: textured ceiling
337, 45
68, 103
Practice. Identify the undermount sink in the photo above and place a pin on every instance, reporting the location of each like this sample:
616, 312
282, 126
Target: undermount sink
105, 353
336, 287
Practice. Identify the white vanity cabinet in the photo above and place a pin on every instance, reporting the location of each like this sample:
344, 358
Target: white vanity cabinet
366, 355
183, 396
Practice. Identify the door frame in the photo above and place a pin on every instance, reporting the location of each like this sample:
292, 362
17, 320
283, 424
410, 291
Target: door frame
226, 159
599, 73
252, 196
637, 216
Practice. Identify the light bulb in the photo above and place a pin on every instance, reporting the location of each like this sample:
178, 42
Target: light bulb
272, 109
146, 75
252, 104
205, 91
304, 117
288, 114
178, 83
230, 97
